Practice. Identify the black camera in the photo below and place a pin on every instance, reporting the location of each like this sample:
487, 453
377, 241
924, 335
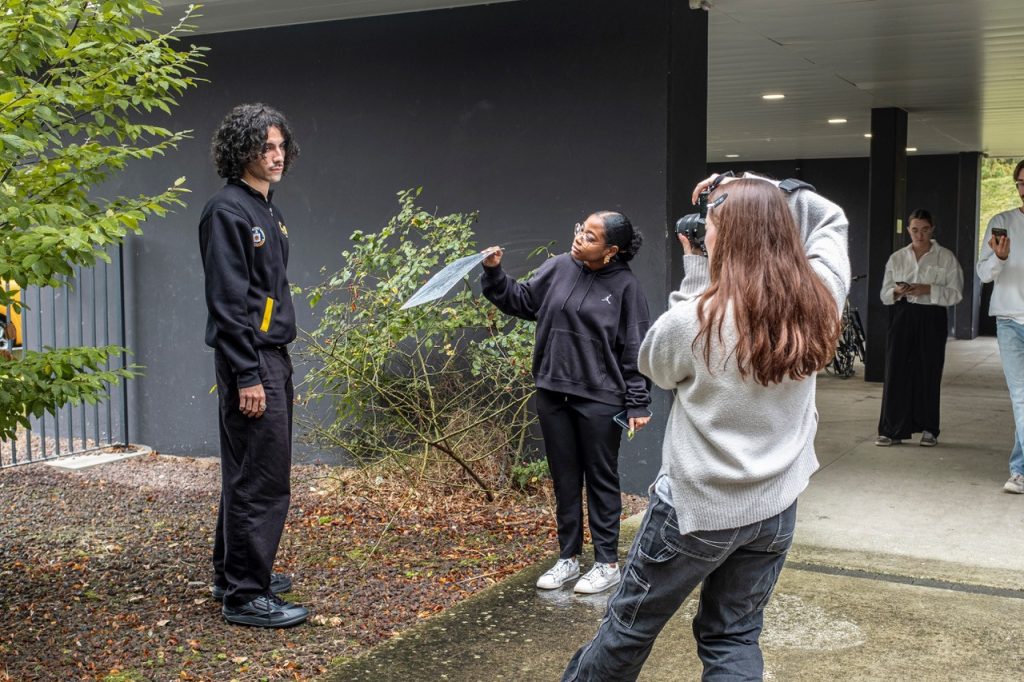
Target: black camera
693, 225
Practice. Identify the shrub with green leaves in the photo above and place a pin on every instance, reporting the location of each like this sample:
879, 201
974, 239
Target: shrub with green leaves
79, 83
446, 381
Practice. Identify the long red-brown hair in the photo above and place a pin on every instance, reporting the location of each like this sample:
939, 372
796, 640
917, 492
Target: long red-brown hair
786, 318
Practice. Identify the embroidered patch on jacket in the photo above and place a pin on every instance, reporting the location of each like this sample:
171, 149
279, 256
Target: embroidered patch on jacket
284, 230
259, 238
607, 299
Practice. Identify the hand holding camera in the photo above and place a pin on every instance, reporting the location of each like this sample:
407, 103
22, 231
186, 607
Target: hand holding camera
692, 227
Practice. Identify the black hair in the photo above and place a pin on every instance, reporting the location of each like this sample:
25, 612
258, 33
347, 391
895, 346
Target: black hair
618, 230
240, 138
921, 214
1016, 171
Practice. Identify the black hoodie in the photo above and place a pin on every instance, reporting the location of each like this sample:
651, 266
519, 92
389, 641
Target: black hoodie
244, 244
590, 324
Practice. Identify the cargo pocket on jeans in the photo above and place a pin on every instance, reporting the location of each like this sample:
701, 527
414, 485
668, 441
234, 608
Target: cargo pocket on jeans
626, 602
651, 549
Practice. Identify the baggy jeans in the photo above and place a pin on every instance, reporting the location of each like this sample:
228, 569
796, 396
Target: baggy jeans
1010, 336
739, 568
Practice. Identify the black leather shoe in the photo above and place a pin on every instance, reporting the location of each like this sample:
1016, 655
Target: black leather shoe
266, 612
279, 584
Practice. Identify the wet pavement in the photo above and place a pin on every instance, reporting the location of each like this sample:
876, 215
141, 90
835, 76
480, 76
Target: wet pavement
908, 565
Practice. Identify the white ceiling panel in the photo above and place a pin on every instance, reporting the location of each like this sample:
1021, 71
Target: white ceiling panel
953, 65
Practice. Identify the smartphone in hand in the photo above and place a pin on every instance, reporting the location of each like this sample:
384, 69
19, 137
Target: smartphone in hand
622, 420
998, 232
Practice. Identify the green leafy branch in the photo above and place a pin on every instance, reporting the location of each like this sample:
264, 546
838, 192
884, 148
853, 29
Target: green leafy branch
450, 378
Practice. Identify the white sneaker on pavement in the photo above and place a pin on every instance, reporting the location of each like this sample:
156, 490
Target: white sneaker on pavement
1015, 484
599, 578
562, 572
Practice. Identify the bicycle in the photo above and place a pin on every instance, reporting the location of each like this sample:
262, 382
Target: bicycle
851, 341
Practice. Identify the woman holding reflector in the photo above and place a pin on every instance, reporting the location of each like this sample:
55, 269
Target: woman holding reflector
591, 315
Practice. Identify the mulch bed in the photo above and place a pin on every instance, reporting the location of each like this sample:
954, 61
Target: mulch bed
104, 573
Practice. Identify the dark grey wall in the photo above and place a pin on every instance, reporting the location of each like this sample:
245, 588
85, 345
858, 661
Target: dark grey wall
534, 113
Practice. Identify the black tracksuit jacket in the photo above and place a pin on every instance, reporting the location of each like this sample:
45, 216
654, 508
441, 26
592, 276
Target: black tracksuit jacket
244, 244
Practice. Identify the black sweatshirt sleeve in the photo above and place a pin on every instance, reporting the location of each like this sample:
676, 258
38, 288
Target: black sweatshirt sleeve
227, 258
520, 299
637, 320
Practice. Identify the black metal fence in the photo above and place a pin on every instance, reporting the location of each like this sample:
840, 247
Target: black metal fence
88, 311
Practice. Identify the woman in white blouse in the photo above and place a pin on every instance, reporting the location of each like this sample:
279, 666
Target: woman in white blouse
921, 281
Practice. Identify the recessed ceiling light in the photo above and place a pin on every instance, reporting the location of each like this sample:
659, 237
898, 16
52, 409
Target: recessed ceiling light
867, 135
773, 95
732, 156
911, 149
837, 120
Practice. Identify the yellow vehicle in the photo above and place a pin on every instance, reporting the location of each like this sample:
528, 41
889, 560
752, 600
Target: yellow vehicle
11, 333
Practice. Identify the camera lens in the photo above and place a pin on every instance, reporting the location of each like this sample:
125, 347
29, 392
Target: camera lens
688, 223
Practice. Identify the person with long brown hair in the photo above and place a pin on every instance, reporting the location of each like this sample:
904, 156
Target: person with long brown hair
740, 345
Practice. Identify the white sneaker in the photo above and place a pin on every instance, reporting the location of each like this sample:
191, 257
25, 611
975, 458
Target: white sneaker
598, 579
562, 572
1015, 484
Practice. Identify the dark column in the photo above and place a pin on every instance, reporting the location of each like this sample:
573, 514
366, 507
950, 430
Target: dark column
687, 120
966, 313
887, 189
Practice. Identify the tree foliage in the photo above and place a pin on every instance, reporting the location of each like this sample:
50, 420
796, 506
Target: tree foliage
998, 192
447, 380
80, 84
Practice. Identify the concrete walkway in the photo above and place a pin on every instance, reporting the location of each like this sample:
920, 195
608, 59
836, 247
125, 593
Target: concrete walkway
909, 565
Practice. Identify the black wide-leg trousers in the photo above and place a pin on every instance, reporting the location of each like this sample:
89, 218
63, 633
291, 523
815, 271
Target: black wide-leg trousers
582, 443
915, 353
256, 460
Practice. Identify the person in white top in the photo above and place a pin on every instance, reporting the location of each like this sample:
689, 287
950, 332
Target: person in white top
1000, 264
921, 281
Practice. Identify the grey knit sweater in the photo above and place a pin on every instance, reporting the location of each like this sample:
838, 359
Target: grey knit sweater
736, 452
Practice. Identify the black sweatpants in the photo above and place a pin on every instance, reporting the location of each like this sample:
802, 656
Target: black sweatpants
915, 352
255, 461
582, 444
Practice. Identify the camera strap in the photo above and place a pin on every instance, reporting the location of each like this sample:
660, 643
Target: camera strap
790, 185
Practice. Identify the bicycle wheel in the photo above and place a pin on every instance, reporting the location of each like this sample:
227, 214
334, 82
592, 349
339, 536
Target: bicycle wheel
858, 335
842, 363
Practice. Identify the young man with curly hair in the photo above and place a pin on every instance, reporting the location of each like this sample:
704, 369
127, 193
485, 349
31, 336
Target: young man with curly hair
244, 246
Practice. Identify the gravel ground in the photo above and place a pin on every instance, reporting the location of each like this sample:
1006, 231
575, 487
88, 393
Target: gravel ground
104, 572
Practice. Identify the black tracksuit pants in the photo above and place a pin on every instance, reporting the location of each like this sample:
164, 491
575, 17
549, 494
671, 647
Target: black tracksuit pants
915, 352
256, 460
582, 444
